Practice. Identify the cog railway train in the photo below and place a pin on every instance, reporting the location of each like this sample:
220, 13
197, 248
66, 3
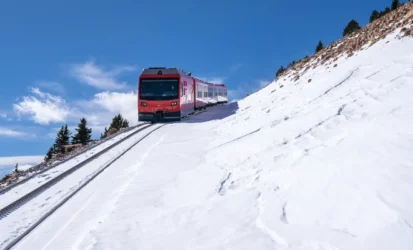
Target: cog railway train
168, 94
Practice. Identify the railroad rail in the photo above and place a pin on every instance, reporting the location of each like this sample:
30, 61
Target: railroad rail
11, 186
4, 212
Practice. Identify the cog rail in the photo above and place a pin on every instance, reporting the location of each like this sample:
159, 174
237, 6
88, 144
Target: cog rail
27, 197
7, 210
18, 183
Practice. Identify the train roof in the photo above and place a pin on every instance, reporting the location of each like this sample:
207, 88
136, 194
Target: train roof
210, 83
174, 71
163, 71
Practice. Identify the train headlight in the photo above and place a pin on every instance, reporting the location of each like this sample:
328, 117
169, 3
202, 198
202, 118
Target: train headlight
143, 103
173, 104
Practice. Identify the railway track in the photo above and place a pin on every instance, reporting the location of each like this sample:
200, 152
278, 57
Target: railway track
23, 215
10, 187
37, 180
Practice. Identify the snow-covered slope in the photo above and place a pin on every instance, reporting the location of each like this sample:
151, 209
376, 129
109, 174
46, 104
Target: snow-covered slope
320, 164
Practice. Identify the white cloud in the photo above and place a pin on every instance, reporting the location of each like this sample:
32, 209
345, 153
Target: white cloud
43, 108
33, 159
112, 103
12, 133
53, 86
93, 75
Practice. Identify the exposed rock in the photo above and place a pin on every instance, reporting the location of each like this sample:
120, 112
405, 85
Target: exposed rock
367, 36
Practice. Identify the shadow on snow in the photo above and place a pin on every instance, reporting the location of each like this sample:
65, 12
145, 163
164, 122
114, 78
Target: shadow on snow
218, 112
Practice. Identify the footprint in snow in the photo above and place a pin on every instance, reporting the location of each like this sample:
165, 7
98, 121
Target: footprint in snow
275, 123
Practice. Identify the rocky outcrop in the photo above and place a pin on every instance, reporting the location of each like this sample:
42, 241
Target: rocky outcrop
401, 18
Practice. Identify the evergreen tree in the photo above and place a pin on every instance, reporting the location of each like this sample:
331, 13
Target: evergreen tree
60, 141
280, 71
49, 154
118, 122
395, 4
83, 133
319, 47
105, 133
374, 15
351, 27
66, 135
125, 124
382, 13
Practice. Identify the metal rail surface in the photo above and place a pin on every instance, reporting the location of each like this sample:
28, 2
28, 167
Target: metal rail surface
27, 197
11, 186
51, 211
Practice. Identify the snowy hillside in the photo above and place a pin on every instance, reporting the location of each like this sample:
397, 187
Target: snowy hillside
320, 164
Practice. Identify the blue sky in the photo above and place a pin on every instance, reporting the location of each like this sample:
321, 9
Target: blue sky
61, 61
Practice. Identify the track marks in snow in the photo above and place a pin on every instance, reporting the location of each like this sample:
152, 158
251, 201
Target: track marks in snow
341, 109
284, 214
314, 127
221, 190
275, 237
345, 231
335, 86
375, 73
276, 122
238, 138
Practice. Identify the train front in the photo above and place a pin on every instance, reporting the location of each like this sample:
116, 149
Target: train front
158, 95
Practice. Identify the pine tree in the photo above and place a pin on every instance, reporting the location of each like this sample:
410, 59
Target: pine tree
125, 124
280, 71
60, 141
291, 63
351, 27
105, 133
83, 133
118, 122
49, 154
384, 12
66, 135
319, 47
374, 15
395, 4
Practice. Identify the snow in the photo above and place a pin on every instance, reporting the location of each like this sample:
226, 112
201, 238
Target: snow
298, 165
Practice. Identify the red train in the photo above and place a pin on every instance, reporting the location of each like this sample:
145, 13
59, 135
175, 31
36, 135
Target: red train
170, 94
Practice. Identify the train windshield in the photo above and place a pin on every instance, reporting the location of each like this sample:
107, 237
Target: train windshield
158, 89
